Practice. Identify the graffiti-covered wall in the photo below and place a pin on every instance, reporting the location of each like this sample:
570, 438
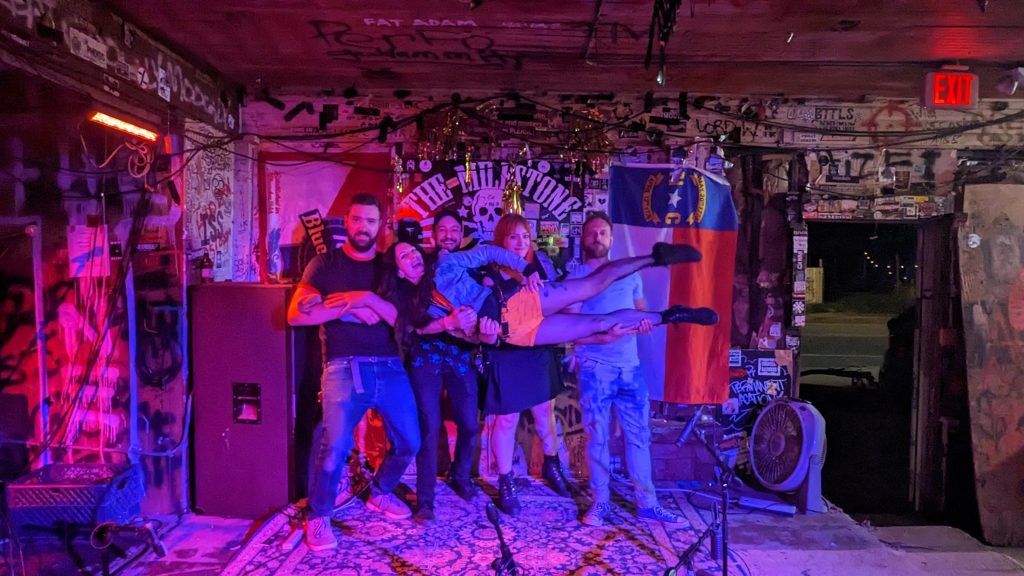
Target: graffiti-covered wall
111, 54
211, 196
992, 277
109, 228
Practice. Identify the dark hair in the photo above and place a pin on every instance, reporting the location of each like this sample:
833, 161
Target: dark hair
447, 213
365, 199
411, 300
596, 215
409, 230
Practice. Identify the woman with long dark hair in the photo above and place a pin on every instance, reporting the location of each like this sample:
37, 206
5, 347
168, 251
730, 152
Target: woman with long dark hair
435, 359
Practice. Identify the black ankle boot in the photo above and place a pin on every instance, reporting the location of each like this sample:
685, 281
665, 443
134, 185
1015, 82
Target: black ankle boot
666, 254
464, 487
682, 314
508, 500
424, 512
552, 474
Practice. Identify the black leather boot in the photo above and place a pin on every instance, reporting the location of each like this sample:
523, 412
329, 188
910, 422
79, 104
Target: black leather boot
680, 314
464, 487
508, 500
667, 254
553, 477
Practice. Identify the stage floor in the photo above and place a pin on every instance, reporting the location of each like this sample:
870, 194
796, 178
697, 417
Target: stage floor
547, 539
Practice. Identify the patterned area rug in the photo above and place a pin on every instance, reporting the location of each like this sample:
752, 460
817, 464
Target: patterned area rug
546, 538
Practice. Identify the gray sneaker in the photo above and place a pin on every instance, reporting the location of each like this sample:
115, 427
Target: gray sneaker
658, 513
319, 535
388, 504
597, 514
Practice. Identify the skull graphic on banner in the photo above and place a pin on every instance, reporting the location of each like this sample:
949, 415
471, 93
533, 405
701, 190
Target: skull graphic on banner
479, 200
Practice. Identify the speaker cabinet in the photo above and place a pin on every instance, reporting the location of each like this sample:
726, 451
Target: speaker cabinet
254, 382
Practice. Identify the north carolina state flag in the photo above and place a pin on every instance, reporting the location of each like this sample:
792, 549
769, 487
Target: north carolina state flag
666, 203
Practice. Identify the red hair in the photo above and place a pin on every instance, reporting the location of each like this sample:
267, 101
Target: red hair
504, 228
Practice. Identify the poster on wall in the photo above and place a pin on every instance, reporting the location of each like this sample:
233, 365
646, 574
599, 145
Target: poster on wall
756, 377
306, 203
550, 198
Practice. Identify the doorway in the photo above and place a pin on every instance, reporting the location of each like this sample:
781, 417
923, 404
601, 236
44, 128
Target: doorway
857, 359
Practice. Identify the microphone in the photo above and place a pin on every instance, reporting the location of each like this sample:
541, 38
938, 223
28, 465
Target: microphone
690, 426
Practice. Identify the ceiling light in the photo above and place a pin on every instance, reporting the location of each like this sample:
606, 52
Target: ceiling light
124, 126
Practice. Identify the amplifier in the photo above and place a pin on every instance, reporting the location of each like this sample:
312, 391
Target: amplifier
254, 382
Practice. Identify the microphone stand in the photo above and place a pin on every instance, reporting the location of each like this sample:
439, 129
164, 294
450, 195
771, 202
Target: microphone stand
725, 478
685, 434
686, 560
719, 527
504, 565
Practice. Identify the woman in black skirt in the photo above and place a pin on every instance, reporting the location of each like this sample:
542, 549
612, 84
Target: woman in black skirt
518, 379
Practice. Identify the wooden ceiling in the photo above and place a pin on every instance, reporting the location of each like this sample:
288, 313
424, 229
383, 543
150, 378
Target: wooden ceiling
823, 48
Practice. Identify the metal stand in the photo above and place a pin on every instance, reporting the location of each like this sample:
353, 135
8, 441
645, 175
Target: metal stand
102, 537
718, 530
504, 565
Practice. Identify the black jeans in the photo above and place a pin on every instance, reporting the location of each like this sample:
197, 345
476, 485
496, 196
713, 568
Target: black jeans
463, 391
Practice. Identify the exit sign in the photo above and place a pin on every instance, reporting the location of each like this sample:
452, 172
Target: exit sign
951, 90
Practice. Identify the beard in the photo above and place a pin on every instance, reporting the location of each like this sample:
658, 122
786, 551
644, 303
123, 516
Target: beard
362, 241
595, 250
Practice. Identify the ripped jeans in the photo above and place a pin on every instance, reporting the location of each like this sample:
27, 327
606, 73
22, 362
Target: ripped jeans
350, 386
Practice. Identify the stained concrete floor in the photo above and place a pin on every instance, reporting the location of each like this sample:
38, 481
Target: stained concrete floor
762, 544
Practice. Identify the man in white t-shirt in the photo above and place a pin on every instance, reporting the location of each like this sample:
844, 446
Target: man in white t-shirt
608, 369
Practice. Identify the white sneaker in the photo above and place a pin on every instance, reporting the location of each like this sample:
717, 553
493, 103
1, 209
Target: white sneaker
597, 514
388, 505
319, 534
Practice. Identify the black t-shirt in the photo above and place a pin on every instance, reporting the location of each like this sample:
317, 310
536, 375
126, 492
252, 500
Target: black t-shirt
333, 272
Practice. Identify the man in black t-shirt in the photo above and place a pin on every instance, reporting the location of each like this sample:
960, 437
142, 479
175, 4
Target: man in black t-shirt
362, 369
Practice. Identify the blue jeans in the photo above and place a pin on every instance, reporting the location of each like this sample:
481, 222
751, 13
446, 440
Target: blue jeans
379, 383
601, 387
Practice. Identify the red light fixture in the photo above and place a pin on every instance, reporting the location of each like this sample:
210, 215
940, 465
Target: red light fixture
952, 88
124, 126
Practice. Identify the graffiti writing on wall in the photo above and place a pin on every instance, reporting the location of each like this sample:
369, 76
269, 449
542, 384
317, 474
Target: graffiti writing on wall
924, 171
724, 127
756, 377
209, 179
451, 46
144, 63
